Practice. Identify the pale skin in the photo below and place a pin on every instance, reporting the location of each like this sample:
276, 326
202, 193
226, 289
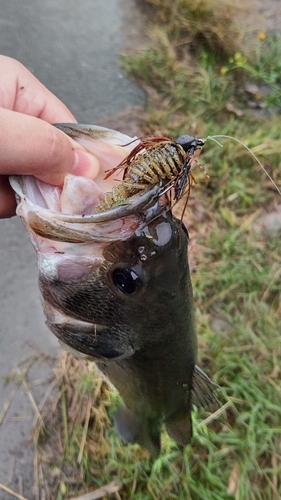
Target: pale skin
29, 145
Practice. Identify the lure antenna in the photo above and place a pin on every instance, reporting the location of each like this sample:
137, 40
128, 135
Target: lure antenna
213, 138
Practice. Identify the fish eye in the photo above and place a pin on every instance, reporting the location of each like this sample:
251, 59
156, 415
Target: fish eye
126, 280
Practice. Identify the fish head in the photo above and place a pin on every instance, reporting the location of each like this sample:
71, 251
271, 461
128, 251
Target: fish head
115, 298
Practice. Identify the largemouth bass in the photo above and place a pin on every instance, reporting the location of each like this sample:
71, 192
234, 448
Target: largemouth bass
116, 289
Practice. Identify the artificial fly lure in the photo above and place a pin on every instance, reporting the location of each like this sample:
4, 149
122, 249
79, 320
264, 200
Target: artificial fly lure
154, 159
160, 159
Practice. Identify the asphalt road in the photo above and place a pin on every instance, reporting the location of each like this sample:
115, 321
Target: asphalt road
73, 48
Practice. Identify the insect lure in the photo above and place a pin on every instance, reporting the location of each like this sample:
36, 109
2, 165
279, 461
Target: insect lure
152, 160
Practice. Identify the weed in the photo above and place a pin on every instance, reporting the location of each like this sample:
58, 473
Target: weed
219, 28
265, 69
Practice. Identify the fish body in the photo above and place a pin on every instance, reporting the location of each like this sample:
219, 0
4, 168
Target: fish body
116, 288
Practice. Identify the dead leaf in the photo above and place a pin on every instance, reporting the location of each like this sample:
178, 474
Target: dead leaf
252, 88
233, 109
233, 483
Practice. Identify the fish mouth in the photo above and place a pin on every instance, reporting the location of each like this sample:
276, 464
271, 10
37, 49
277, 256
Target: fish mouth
68, 214
66, 228
84, 338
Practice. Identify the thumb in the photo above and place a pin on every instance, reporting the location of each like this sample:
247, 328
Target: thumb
30, 146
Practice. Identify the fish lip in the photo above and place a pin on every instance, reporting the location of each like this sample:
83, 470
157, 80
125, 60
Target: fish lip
136, 204
59, 318
96, 132
57, 226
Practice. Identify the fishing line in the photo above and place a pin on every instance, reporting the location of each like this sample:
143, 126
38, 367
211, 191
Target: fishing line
213, 138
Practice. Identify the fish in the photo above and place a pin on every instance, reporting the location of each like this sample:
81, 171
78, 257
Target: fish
117, 291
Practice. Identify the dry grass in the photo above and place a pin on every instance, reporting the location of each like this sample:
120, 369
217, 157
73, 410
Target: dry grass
222, 27
78, 449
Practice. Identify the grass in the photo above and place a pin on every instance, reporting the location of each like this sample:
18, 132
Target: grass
197, 73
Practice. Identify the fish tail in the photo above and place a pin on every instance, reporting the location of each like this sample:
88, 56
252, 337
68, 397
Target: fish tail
135, 429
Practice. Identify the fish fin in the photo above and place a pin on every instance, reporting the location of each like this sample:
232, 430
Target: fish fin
134, 429
179, 428
203, 391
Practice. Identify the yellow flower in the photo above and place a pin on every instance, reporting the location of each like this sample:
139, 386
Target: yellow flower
62, 488
261, 36
223, 70
239, 59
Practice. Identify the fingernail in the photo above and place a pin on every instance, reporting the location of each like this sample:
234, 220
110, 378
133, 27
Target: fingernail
86, 164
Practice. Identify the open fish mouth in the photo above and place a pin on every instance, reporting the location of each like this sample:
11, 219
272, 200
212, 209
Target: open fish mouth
80, 228
68, 214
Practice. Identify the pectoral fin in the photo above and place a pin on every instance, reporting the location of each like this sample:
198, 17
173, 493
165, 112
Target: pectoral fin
138, 429
179, 428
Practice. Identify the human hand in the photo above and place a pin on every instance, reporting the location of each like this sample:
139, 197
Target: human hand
29, 145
